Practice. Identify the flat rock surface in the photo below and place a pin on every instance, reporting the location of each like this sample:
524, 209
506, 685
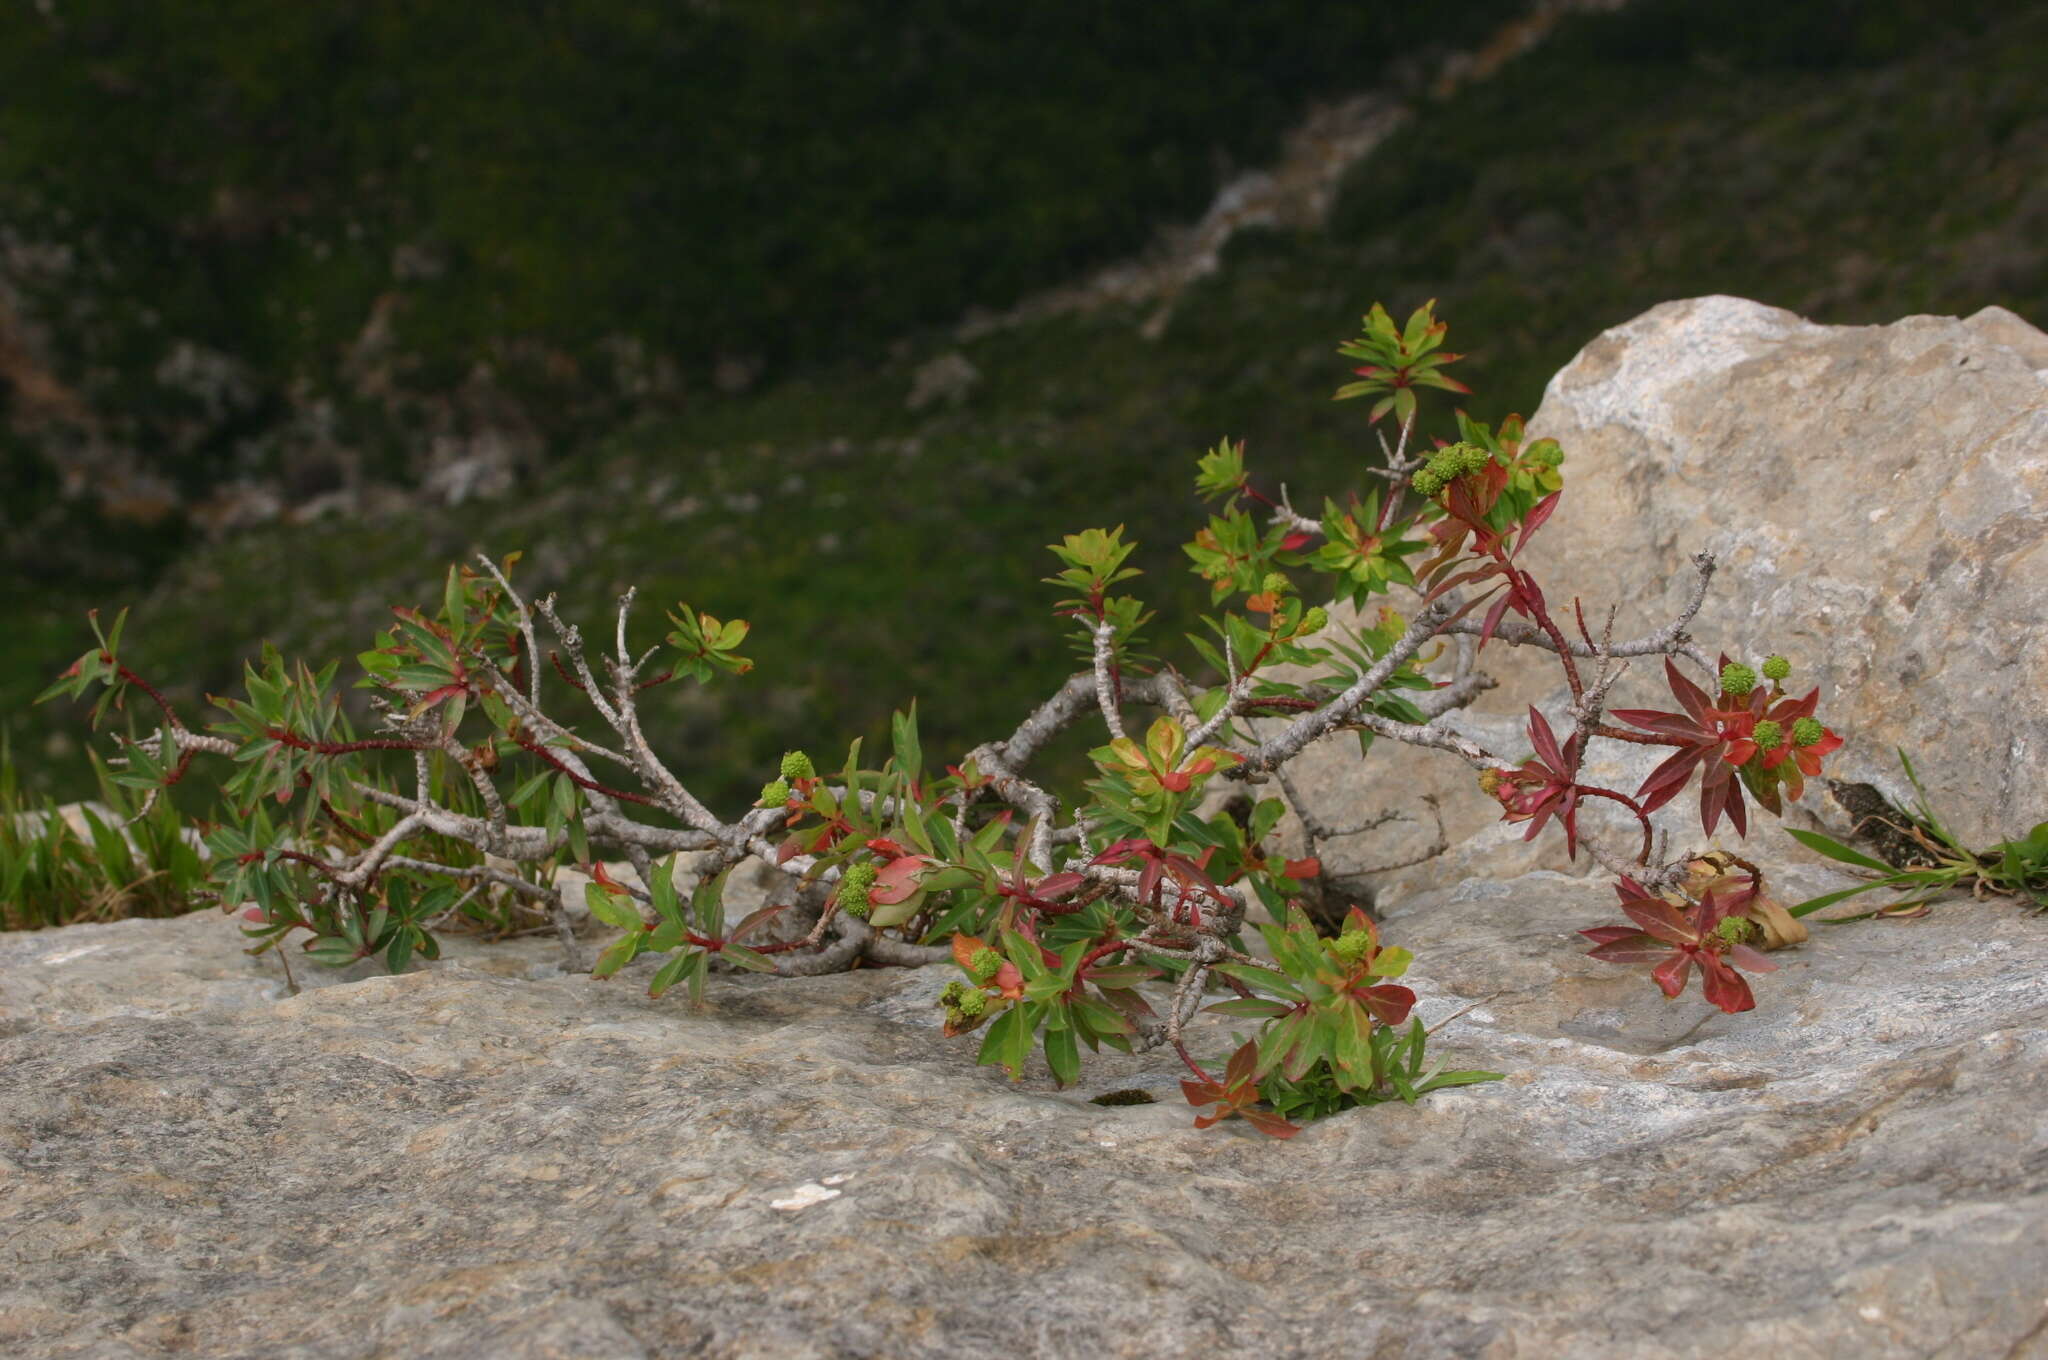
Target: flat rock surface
486, 1157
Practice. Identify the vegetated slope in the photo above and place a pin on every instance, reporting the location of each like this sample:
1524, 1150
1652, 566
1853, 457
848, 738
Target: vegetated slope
300, 242
881, 554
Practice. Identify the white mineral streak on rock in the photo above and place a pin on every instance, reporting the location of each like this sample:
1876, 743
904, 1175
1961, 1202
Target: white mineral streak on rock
804, 1196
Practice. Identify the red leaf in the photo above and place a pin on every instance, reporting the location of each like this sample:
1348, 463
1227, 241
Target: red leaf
1751, 959
1272, 1125
758, 917
1389, 1002
1494, 616
1632, 947
1536, 518
1055, 886
1672, 973
965, 947
1609, 934
1660, 919
1544, 740
1124, 850
1690, 696
897, 880
1241, 1065
1724, 986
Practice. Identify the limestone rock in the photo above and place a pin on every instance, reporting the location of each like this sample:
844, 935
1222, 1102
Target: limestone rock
1877, 499
484, 1157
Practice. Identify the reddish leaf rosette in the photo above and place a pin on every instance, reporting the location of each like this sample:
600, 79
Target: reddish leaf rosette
1677, 939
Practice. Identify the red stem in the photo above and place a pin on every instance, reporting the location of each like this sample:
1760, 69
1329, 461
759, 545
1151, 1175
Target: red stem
335, 816
1102, 951
527, 743
151, 690
1632, 806
1639, 738
285, 737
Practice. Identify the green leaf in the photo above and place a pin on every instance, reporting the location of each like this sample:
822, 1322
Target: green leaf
1045, 988
1834, 849
949, 879
1120, 975
663, 891
896, 913
1026, 955
748, 959
1391, 962
904, 742
452, 599
1094, 1017
674, 971
707, 904
332, 952
1062, 1055
612, 908
1263, 1009
1444, 1080
1262, 980
1008, 1041
620, 953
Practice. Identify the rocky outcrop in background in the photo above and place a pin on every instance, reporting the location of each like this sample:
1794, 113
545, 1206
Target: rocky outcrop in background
1877, 500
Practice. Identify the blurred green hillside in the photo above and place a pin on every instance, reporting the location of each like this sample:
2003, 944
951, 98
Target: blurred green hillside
1853, 162
282, 241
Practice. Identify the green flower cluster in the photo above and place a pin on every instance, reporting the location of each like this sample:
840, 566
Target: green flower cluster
984, 962
1737, 929
1315, 620
1737, 679
1769, 734
775, 793
797, 765
1807, 731
1448, 464
1351, 945
1276, 583
1776, 667
855, 883
963, 1001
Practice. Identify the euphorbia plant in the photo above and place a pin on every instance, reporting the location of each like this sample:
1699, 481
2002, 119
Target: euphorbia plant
1112, 917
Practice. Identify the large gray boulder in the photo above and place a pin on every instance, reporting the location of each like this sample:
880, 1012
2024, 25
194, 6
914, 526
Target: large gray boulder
486, 1157
1877, 499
